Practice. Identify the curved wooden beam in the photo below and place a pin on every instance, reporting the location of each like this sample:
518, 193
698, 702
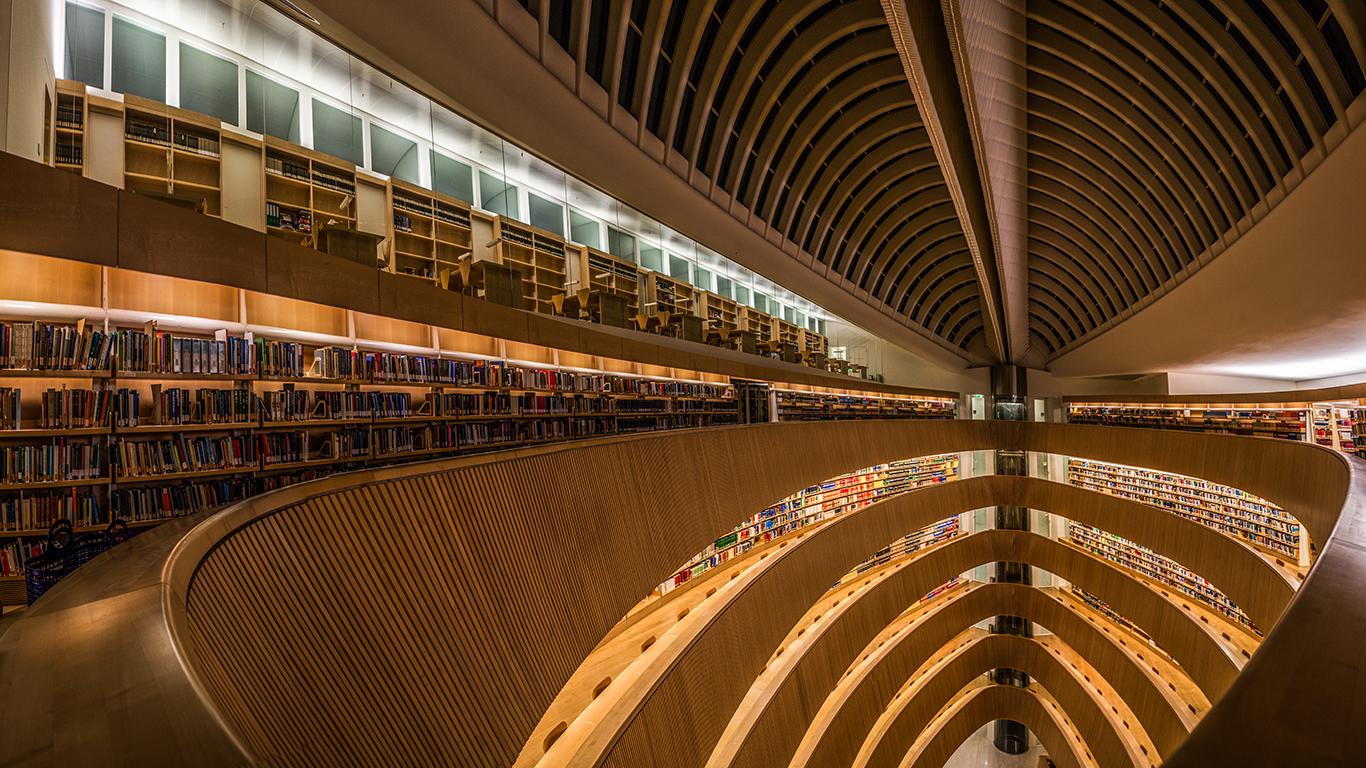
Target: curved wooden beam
993, 702
935, 688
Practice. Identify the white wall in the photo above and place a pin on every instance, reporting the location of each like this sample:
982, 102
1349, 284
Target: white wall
31, 74
1198, 384
906, 369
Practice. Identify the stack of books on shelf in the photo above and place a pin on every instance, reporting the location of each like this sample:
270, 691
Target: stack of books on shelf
200, 145
286, 168
1229, 510
147, 133
43, 346
834, 497
65, 409
182, 455
1156, 567
56, 462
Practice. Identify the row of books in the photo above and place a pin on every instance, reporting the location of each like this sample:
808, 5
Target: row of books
147, 133
282, 447
203, 406
279, 358
180, 454
175, 500
56, 462
70, 153
14, 554
38, 512
201, 145
285, 218
70, 116
151, 351
10, 408
45, 346
286, 168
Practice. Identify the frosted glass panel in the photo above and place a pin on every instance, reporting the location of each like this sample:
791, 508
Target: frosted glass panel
392, 154
208, 84
652, 258
584, 230
623, 246
272, 108
138, 65
85, 44
497, 196
678, 267
337, 133
452, 177
724, 287
546, 215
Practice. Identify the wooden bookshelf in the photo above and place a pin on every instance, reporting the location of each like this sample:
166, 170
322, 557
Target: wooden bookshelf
539, 257
306, 190
759, 323
1256, 521
603, 272
832, 498
428, 231
719, 313
71, 122
173, 152
661, 293
816, 406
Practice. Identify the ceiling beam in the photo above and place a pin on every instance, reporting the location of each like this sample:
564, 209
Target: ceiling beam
930, 40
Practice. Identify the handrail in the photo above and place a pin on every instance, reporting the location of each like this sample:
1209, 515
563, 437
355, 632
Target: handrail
574, 514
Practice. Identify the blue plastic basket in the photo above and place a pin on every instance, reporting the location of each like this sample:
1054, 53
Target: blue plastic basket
65, 553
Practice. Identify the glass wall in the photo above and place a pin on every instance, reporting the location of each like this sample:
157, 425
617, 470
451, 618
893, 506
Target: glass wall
252, 67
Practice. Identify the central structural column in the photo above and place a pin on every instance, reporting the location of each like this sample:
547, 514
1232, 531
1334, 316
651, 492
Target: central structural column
1009, 404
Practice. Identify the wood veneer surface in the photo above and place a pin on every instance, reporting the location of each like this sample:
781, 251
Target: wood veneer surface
544, 553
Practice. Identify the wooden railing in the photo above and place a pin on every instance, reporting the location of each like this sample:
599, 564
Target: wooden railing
428, 614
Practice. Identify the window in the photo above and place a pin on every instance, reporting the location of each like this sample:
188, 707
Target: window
85, 44
138, 63
678, 267
452, 177
761, 302
724, 287
652, 258
392, 154
272, 108
742, 295
338, 133
546, 214
788, 315
702, 278
208, 84
585, 230
623, 246
497, 196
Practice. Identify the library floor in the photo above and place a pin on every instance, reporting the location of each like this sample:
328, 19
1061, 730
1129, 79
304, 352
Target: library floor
978, 751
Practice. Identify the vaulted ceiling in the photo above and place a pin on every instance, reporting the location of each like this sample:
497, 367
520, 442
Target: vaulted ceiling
991, 180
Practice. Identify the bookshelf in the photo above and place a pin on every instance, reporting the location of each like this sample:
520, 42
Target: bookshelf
169, 151
602, 272
834, 497
539, 256
71, 122
661, 293
1332, 425
305, 190
756, 322
428, 231
1256, 521
720, 314
816, 406
1157, 568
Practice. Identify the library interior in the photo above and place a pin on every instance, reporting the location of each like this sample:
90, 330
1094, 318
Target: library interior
682, 383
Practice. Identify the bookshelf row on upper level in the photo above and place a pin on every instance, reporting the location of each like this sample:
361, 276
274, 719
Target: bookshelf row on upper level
1328, 424
1232, 511
1157, 568
312, 199
812, 406
831, 498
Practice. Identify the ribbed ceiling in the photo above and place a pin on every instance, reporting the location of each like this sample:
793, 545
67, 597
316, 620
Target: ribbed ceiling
1149, 135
